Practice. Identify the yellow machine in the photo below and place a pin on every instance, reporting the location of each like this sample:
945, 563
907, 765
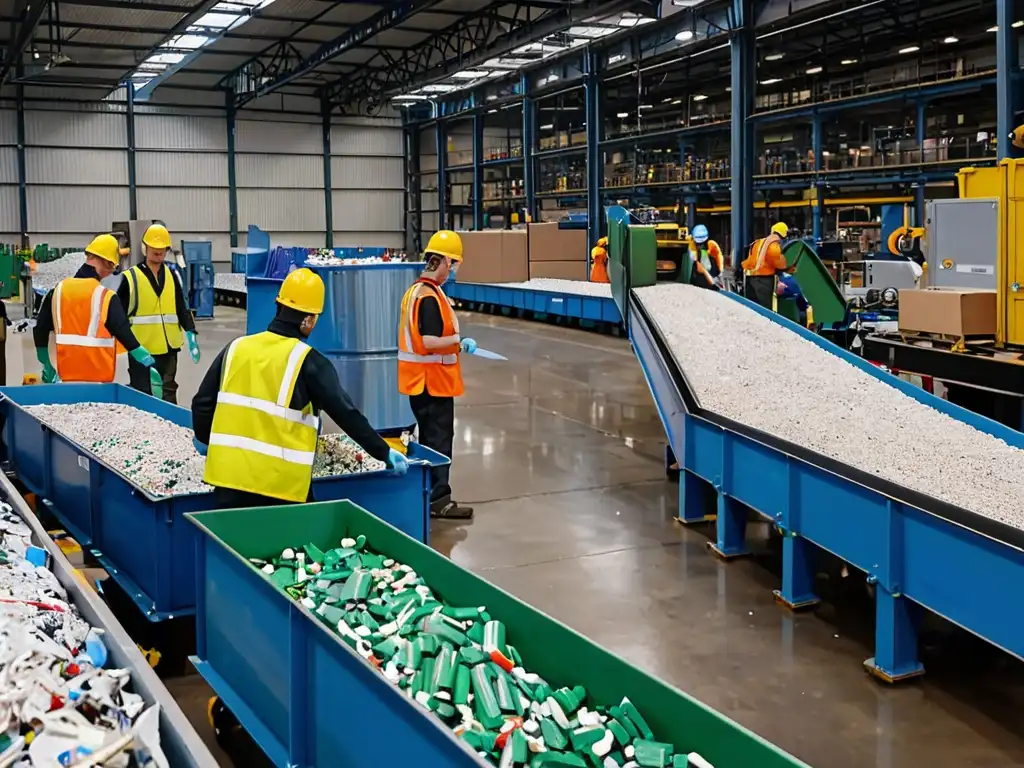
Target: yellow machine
673, 243
1005, 182
905, 240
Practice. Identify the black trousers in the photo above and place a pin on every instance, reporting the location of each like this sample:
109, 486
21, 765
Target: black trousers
167, 365
229, 498
436, 419
760, 290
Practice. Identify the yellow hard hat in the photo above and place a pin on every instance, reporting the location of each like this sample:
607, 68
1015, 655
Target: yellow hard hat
106, 247
157, 236
444, 242
780, 229
602, 241
303, 290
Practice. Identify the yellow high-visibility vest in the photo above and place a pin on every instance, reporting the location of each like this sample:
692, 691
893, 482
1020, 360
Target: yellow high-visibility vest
154, 318
258, 442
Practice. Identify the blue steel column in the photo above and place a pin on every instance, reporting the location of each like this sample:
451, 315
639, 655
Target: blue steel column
133, 202
595, 170
22, 182
819, 188
744, 85
1006, 75
529, 126
922, 106
442, 174
478, 171
325, 109
232, 185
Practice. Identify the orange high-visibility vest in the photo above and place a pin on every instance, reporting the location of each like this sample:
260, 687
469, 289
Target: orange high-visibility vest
762, 261
599, 265
437, 370
85, 349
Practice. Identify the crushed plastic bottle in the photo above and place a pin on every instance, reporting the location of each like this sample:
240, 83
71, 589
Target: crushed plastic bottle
58, 703
457, 663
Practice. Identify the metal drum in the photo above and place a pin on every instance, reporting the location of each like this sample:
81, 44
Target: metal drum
358, 332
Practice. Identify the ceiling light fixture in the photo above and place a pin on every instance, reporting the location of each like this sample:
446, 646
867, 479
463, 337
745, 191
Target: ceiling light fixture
699, 97
771, 81
1017, 24
547, 127
814, 70
686, 34
910, 49
622, 114
774, 56
678, 101
951, 39
992, 29
848, 62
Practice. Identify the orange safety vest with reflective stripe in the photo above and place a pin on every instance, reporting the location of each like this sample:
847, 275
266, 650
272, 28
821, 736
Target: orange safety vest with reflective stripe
436, 370
85, 349
763, 260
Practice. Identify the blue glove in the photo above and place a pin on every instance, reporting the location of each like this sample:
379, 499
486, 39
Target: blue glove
397, 462
141, 355
469, 346
200, 447
193, 345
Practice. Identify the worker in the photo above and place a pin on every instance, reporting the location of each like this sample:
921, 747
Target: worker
154, 300
599, 262
256, 415
89, 324
429, 371
761, 265
707, 259
787, 288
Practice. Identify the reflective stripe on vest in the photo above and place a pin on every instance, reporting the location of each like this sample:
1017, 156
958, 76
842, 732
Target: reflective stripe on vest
408, 354
762, 252
154, 316
85, 349
259, 443
420, 369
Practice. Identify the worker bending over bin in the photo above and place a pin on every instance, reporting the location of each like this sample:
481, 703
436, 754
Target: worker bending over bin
707, 259
258, 408
599, 262
89, 324
429, 371
761, 265
152, 295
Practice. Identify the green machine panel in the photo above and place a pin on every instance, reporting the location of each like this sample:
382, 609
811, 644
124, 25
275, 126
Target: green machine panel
816, 283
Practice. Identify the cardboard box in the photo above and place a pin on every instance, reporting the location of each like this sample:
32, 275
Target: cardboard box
948, 312
549, 243
562, 270
515, 260
481, 257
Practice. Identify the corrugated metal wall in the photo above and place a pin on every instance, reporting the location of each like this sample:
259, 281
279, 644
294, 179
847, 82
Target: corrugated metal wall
367, 183
77, 176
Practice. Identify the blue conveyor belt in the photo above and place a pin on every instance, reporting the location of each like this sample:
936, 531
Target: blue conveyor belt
919, 552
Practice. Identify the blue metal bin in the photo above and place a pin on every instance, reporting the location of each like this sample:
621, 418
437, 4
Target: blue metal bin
141, 539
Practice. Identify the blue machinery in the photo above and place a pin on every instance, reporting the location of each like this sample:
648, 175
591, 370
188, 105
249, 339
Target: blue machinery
588, 309
918, 552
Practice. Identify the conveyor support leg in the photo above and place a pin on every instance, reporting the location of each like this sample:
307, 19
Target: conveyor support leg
692, 506
797, 590
731, 529
895, 656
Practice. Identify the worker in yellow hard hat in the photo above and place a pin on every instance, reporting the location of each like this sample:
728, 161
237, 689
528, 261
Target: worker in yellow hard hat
258, 407
154, 300
429, 372
599, 261
89, 324
761, 265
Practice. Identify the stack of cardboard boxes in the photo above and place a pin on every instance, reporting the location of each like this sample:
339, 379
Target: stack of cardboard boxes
516, 255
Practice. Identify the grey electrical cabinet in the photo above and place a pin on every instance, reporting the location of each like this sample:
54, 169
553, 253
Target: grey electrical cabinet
961, 244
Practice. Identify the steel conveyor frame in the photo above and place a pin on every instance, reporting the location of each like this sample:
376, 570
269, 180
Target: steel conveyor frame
919, 552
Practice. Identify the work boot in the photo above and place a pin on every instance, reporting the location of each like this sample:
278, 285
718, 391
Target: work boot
446, 509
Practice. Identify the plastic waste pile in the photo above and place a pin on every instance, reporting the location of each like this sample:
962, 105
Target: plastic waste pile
59, 705
47, 274
327, 257
457, 662
158, 455
230, 281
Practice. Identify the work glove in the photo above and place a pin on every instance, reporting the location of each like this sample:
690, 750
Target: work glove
200, 447
156, 383
193, 345
397, 462
468, 346
49, 372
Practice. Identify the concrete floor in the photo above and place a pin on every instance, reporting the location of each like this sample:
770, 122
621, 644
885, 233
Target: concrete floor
560, 450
